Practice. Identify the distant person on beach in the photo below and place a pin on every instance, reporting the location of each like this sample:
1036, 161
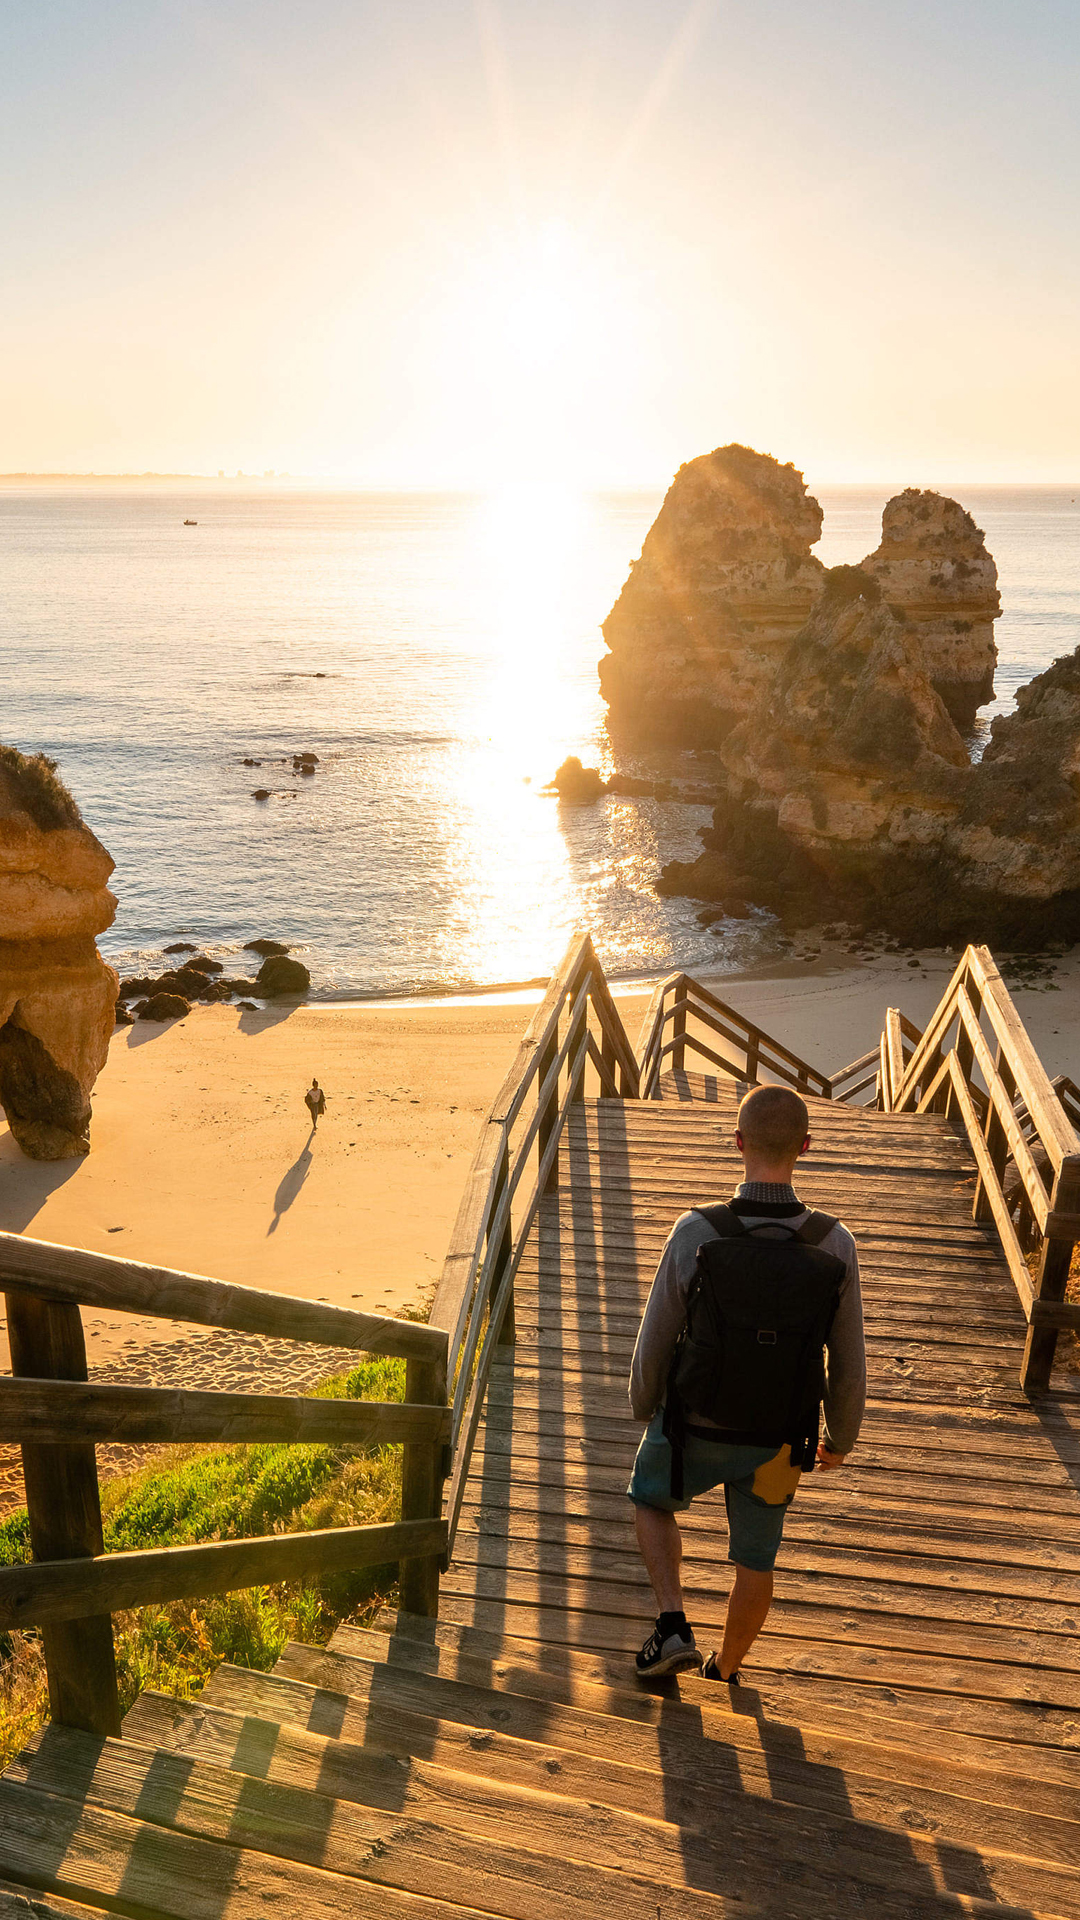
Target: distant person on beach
754, 1319
315, 1101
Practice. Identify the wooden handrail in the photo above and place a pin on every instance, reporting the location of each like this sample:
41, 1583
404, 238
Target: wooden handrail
56, 1412
575, 1027
679, 1000
975, 1060
127, 1286
65, 1590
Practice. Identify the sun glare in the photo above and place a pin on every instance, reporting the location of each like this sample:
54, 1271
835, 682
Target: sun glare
538, 324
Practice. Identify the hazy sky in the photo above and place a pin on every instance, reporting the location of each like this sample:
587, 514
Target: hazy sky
455, 241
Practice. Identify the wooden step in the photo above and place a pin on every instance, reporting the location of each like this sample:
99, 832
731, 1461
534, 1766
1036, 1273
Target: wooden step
581, 1814
691, 1712
26, 1903
286, 1812
134, 1867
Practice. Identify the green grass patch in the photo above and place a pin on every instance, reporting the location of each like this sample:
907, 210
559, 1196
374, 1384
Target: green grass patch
223, 1493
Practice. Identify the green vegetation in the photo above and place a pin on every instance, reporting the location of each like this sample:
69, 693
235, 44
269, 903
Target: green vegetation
38, 789
223, 1493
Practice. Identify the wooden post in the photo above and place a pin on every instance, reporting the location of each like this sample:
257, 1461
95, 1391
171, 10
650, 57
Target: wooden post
64, 1510
997, 1144
508, 1328
678, 1026
423, 1470
549, 1116
610, 1058
1050, 1284
753, 1046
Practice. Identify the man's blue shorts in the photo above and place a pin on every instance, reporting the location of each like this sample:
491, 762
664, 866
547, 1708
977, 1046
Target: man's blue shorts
759, 1485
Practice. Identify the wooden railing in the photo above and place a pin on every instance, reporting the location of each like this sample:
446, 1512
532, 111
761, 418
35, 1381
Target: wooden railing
72, 1587
976, 1063
682, 1005
575, 1028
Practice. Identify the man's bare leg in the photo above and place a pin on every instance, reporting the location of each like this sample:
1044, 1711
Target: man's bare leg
747, 1611
660, 1545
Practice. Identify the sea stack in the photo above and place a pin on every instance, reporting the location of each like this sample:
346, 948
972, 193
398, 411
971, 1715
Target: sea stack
933, 568
57, 996
725, 578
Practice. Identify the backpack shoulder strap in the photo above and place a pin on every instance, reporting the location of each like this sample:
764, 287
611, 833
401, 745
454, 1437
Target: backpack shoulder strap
816, 1229
722, 1221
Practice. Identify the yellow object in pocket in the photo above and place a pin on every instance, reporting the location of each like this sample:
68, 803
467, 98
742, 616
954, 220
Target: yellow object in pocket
776, 1480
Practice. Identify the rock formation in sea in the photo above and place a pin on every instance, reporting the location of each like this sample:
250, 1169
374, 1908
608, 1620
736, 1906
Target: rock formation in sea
56, 994
932, 566
836, 700
725, 578
849, 791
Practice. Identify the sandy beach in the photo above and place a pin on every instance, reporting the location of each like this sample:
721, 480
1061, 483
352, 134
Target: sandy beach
203, 1156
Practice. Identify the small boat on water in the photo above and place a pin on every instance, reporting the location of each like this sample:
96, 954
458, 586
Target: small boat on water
191, 523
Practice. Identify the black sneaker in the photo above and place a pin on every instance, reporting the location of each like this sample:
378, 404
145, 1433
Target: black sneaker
711, 1671
673, 1655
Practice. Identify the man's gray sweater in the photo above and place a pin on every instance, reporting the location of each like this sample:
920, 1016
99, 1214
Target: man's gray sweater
665, 1317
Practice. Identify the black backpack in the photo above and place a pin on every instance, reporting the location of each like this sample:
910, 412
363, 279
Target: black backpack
750, 1359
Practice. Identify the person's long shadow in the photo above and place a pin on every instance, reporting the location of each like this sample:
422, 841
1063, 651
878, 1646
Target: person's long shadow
290, 1184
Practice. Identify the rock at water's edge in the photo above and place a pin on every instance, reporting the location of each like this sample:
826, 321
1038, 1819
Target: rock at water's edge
57, 996
580, 785
279, 977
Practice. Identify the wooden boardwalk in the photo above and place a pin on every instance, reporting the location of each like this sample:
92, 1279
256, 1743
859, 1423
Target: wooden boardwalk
907, 1741
935, 1580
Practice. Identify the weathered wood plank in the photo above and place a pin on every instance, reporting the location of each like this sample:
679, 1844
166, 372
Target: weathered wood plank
66, 1589
97, 1280
132, 1867
55, 1411
287, 1812
689, 1856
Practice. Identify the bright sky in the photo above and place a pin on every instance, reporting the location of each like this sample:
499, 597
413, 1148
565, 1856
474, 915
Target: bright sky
446, 242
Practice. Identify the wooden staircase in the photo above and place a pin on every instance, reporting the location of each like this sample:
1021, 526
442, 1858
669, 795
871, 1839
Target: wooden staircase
907, 1739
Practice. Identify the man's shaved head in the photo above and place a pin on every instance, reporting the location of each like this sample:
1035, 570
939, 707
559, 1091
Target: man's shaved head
773, 1122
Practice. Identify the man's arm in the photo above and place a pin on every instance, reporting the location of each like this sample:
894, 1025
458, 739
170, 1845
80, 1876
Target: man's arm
845, 1363
662, 1321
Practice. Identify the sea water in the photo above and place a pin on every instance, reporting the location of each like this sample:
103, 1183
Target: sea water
439, 655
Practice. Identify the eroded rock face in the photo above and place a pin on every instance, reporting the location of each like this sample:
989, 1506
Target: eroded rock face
725, 578
933, 567
57, 996
848, 792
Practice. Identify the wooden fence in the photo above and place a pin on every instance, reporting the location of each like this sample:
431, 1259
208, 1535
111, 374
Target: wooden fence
682, 1005
72, 1588
975, 1062
575, 1028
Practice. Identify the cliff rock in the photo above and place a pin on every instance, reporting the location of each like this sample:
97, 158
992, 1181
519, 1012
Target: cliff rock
57, 996
933, 568
849, 791
725, 578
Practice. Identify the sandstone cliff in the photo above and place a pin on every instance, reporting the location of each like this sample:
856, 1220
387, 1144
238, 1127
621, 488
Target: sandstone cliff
725, 578
848, 790
56, 994
933, 567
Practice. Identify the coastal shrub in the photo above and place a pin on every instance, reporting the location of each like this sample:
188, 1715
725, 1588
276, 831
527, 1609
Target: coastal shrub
223, 1493
38, 789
